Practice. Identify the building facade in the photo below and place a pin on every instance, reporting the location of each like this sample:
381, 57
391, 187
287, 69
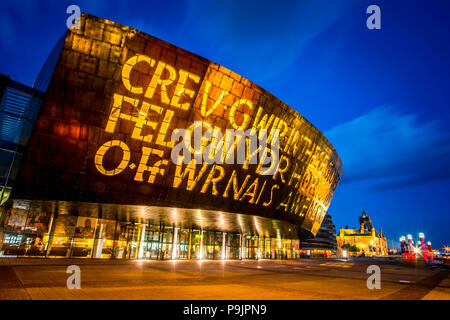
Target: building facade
324, 244
97, 179
19, 105
364, 240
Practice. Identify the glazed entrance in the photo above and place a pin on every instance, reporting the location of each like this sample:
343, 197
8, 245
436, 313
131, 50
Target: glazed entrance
32, 234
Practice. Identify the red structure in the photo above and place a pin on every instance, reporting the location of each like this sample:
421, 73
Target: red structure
404, 247
424, 248
430, 251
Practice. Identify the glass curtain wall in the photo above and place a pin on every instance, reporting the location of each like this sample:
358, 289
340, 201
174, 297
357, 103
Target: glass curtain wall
39, 234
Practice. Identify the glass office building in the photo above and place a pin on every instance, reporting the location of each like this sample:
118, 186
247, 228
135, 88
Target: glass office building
86, 166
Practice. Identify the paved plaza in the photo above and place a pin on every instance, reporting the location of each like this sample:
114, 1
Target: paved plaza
264, 279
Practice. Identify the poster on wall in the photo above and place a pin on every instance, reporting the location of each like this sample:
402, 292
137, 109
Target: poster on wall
109, 229
17, 219
38, 221
85, 227
65, 225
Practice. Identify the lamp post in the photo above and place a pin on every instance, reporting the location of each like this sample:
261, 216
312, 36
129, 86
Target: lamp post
411, 247
424, 248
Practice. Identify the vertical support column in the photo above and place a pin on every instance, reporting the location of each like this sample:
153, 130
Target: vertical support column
51, 232
190, 244
130, 241
95, 240
224, 246
71, 246
280, 249
160, 240
240, 246
292, 250
264, 247
113, 255
201, 245
98, 247
2, 234
242, 251
22, 242
174, 243
141, 242
257, 247
2, 213
272, 249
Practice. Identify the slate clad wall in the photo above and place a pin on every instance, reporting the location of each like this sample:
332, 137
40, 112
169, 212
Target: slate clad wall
60, 160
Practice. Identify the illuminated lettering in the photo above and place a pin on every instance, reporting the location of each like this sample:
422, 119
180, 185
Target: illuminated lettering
233, 180
234, 140
289, 142
155, 169
98, 159
260, 192
181, 151
141, 121
156, 80
163, 130
282, 124
282, 171
251, 191
295, 175
214, 180
213, 152
126, 71
305, 207
306, 151
233, 109
275, 186
189, 171
306, 180
115, 113
307, 164
263, 123
180, 89
204, 109
293, 145
270, 155
295, 206
285, 202
254, 149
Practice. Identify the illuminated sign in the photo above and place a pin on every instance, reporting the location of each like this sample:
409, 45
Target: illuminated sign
152, 121
126, 95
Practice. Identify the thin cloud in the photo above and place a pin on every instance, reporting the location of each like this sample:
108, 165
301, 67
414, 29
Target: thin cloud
391, 150
257, 34
7, 31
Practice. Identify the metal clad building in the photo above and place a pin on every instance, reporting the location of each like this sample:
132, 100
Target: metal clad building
96, 178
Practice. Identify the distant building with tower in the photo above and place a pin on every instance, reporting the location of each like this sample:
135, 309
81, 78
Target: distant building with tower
363, 240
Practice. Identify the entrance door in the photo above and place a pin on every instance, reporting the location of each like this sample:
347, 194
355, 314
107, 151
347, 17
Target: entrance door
251, 247
128, 244
132, 234
152, 242
166, 237
195, 244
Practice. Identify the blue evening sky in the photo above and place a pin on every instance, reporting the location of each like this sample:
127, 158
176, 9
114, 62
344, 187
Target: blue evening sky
380, 96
